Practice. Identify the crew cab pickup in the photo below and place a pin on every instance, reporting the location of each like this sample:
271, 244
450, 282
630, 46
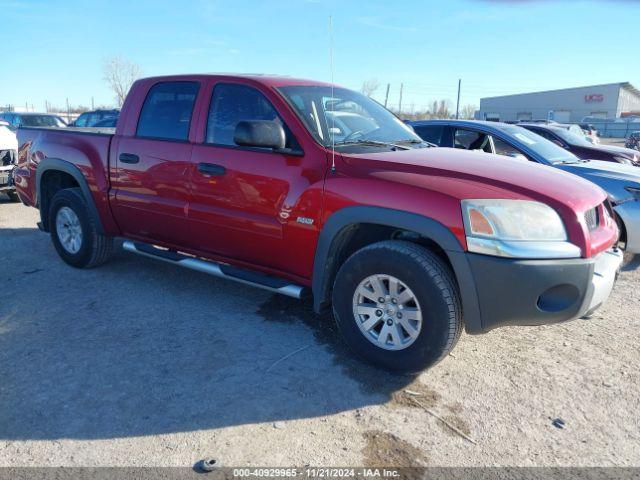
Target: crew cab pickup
308, 189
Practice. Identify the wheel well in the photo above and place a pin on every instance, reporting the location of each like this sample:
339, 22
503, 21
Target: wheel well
356, 236
622, 238
52, 182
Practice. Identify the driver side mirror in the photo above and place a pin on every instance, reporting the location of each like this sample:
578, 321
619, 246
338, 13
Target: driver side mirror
260, 134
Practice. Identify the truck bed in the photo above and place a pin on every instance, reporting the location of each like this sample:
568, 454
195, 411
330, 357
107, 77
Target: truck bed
87, 149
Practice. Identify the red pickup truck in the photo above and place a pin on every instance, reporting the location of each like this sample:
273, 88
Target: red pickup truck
304, 188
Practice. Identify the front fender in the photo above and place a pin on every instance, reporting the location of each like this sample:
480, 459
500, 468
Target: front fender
329, 246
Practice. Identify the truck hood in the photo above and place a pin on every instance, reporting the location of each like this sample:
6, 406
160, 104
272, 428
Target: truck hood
464, 174
610, 176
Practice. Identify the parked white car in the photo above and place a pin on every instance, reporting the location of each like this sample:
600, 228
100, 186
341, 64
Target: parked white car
8, 160
590, 133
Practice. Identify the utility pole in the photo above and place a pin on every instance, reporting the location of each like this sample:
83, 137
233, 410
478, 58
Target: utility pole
92, 107
400, 102
68, 111
458, 102
386, 97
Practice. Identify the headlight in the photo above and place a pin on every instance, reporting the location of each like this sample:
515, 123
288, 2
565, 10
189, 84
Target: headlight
516, 228
625, 160
635, 191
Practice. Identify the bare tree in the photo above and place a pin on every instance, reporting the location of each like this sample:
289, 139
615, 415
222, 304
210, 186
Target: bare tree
120, 73
370, 86
468, 112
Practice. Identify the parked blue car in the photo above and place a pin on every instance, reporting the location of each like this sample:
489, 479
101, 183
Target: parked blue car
621, 182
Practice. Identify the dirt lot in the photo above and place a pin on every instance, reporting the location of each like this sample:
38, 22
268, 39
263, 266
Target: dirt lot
137, 363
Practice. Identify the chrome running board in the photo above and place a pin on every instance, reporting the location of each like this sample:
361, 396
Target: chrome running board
220, 270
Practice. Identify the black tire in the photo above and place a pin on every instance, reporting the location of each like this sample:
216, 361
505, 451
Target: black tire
434, 286
13, 196
95, 249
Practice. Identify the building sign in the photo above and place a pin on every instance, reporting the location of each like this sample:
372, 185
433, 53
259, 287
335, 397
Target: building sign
594, 98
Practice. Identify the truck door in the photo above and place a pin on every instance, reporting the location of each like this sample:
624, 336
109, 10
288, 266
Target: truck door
151, 182
246, 202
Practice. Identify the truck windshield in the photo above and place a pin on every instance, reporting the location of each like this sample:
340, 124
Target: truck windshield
343, 117
41, 121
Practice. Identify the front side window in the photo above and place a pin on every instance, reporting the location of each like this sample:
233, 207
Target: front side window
430, 133
341, 117
233, 103
472, 140
166, 113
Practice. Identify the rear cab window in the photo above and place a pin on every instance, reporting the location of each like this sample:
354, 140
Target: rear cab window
167, 111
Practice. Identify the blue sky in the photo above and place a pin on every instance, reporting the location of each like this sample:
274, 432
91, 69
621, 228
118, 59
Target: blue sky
55, 49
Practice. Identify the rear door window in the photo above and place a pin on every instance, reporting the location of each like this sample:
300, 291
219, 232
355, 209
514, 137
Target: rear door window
167, 110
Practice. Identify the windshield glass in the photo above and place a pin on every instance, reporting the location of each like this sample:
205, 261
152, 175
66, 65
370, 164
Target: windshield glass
346, 117
41, 121
543, 147
571, 138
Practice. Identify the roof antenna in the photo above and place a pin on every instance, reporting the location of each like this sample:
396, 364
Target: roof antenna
333, 117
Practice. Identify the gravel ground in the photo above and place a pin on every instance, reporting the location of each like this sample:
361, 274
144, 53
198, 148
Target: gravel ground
138, 364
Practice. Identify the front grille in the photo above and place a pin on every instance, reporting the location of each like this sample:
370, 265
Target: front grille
592, 218
8, 157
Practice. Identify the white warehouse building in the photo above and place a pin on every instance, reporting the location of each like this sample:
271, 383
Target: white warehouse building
608, 101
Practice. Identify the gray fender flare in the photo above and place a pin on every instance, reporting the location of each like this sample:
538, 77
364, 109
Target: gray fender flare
69, 168
328, 247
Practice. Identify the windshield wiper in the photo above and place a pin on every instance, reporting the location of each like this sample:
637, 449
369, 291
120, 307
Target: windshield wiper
375, 143
416, 142
569, 162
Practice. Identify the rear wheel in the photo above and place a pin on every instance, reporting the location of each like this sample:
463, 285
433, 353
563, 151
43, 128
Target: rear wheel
398, 306
74, 233
13, 196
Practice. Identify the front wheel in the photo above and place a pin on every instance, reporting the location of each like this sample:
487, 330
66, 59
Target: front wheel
397, 305
74, 233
